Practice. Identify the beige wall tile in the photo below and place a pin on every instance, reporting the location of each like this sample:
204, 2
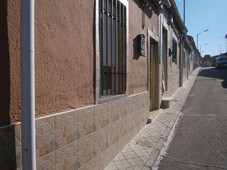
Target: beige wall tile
121, 143
112, 111
121, 128
135, 119
112, 133
122, 107
46, 162
86, 123
101, 140
128, 136
101, 160
130, 104
101, 116
18, 145
90, 165
65, 131
44, 136
85, 150
66, 157
112, 151
128, 123
135, 130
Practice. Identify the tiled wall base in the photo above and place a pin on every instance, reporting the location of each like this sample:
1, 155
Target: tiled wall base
85, 138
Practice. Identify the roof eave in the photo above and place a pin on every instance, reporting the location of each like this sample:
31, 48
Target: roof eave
177, 16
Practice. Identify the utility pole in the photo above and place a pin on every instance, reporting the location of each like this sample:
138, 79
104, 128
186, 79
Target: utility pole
220, 48
184, 11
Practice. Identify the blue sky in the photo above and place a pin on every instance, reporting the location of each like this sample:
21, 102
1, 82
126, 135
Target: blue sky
206, 14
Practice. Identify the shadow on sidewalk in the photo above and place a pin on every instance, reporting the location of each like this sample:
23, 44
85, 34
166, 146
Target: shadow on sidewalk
224, 84
216, 74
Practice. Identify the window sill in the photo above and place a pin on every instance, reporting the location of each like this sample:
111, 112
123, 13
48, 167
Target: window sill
105, 99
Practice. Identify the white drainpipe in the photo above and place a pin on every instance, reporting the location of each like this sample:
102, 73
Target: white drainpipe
28, 85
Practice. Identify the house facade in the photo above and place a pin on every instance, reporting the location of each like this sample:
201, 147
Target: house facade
195, 55
172, 31
101, 66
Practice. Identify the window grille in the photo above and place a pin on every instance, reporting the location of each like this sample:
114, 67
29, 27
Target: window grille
112, 47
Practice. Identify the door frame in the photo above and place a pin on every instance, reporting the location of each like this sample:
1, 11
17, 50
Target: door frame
152, 37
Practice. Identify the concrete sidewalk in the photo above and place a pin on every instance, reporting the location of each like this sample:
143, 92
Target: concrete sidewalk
143, 150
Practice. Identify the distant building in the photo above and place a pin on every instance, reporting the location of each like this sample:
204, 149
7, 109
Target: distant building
211, 62
206, 62
213, 59
195, 57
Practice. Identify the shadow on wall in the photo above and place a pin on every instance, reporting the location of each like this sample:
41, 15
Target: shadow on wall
7, 134
4, 67
7, 149
136, 56
148, 7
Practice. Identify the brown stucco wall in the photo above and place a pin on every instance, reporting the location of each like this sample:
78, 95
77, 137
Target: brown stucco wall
138, 64
13, 20
64, 56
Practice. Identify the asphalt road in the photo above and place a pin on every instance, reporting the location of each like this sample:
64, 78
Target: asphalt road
200, 140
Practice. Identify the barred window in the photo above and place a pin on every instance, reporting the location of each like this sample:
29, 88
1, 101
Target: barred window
112, 47
174, 50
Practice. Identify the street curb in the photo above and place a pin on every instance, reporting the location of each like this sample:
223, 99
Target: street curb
145, 150
162, 146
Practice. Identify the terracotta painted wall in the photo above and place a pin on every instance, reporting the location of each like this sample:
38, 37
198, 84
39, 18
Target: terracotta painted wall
138, 64
64, 56
13, 28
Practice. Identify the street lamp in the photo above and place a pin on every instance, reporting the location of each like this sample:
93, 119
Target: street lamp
201, 46
198, 37
226, 43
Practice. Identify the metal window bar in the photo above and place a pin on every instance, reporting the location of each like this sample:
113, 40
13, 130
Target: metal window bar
111, 56
124, 49
107, 52
122, 54
113, 47
102, 45
115, 67
120, 49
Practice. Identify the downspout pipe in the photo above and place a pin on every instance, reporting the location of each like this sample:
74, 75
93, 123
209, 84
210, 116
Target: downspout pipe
28, 85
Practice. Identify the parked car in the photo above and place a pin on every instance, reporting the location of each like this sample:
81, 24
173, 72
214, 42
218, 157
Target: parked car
221, 62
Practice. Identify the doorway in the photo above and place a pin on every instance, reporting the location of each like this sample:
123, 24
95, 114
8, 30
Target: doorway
164, 60
154, 76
